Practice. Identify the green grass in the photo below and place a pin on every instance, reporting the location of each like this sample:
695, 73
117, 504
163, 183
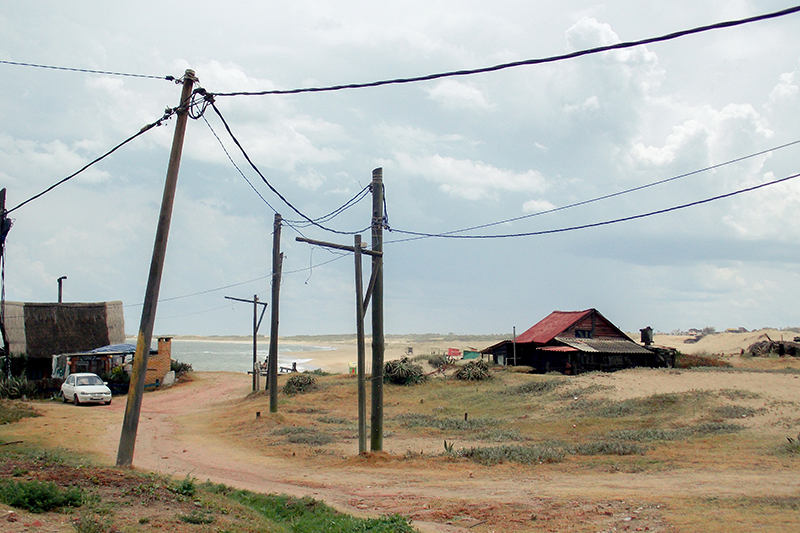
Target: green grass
513, 454
37, 496
306, 515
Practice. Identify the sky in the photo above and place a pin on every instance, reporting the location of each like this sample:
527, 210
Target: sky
499, 149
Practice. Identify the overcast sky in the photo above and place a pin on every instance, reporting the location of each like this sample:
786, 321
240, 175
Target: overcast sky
455, 152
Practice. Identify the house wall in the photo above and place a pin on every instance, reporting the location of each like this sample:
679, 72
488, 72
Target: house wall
602, 328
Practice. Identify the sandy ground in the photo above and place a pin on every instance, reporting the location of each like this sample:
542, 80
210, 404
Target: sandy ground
177, 436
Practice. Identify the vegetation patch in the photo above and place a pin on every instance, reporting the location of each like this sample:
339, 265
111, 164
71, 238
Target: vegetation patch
538, 387
735, 411
608, 447
447, 424
303, 435
474, 371
685, 360
300, 384
309, 515
38, 496
11, 411
403, 372
513, 454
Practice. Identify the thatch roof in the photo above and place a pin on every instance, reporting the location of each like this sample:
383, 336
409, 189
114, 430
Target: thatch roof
45, 329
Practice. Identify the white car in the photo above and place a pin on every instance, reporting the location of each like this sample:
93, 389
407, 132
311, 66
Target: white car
85, 388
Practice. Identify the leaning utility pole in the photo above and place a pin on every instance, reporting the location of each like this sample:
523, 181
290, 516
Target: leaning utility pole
130, 424
376, 428
277, 265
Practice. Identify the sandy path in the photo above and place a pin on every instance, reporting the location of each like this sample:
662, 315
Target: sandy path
174, 439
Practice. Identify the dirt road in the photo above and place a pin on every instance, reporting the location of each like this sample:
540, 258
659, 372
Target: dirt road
177, 436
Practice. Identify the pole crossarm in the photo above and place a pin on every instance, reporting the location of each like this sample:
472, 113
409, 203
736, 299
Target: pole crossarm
346, 248
245, 301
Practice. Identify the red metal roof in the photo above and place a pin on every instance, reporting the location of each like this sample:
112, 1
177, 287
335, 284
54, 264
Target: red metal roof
551, 326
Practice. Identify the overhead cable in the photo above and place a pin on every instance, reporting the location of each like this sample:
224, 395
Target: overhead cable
89, 71
422, 235
604, 223
525, 62
167, 114
264, 179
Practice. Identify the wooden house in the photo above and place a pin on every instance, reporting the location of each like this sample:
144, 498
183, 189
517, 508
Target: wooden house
572, 342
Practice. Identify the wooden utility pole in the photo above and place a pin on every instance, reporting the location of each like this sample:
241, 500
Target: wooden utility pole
277, 265
256, 325
130, 424
376, 427
362, 350
362, 302
5, 227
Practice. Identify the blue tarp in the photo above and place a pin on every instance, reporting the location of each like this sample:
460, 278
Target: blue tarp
125, 348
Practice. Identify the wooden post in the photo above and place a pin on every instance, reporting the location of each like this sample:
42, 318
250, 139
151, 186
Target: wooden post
376, 428
362, 371
5, 227
277, 264
130, 424
256, 369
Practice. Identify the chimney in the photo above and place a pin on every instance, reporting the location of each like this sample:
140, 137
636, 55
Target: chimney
647, 335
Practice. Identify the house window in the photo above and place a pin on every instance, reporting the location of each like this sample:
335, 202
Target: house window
583, 334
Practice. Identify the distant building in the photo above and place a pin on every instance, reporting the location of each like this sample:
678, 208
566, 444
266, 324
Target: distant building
37, 331
572, 342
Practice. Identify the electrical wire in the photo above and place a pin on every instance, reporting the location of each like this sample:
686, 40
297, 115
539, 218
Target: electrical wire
88, 71
526, 62
607, 222
167, 114
422, 235
347, 205
264, 179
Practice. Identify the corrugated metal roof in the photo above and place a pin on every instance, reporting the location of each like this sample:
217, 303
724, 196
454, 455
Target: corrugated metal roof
559, 349
549, 327
603, 345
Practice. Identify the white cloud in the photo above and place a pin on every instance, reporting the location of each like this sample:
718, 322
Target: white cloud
454, 95
472, 180
310, 181
537, 206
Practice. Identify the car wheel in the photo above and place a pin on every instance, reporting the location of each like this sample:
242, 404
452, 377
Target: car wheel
75, 399
108, 402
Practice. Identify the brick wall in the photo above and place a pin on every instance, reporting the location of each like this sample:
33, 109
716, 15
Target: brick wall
158, 364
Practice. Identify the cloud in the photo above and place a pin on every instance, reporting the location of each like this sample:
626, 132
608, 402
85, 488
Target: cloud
454, 95
310, 181
472, 180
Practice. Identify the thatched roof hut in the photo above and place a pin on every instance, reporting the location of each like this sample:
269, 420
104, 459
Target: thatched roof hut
40, 330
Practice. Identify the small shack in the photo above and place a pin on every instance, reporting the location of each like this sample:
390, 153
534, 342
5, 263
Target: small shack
37, 331
572, 342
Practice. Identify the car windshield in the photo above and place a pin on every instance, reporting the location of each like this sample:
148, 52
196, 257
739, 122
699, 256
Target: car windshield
89, 380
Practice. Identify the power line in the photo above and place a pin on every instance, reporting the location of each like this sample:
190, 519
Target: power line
608, 222
451, 233
167, 114
525, 62
209, 98
89, 71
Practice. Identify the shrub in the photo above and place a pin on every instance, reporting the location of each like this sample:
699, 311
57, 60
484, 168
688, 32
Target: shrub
179, 368
14, 411
474, 371
514, 454
299, 384
15, 388
186, 487
301, 435
88, 523
684, 360
403, 372
37, 496
608, 447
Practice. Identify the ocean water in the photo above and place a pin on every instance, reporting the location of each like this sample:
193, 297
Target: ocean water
237, 356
